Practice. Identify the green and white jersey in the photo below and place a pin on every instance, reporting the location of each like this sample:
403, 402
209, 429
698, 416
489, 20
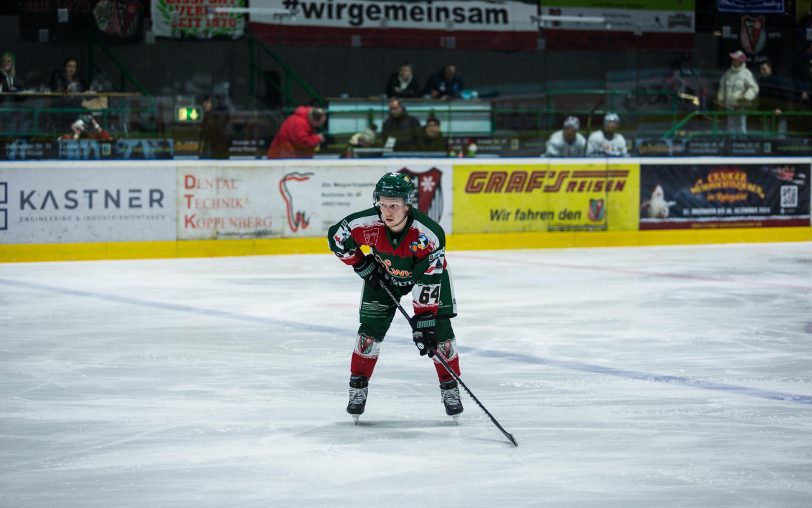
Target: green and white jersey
415, 258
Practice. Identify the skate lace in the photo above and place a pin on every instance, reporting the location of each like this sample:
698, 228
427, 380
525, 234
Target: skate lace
451, 397
357, 395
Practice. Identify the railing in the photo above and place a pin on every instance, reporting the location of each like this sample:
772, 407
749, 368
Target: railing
503, 126
289, 76
770, 123
52, 114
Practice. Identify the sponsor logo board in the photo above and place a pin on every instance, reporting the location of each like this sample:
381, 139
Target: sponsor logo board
724, 195
58, 204
294, 200
228, 202
516, 197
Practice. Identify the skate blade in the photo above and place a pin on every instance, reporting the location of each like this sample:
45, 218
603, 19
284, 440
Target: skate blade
456, 419
355, 418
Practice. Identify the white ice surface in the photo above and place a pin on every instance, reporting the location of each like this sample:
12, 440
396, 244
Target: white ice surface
677, 376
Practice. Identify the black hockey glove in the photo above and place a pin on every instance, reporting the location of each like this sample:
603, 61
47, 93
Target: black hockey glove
424, 333
372, 272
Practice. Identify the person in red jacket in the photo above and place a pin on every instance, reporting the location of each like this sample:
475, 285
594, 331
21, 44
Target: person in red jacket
297, 137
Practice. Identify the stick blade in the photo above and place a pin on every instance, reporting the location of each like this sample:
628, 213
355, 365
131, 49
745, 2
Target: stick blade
512, 439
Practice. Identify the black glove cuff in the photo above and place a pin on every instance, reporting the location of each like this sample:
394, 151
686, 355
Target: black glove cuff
365, 267
424, 321
364, 271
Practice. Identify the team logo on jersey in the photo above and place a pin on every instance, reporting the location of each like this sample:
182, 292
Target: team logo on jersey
371, 236
597, 210
429, 191
341, 235
297, 219
420, 244
752, 34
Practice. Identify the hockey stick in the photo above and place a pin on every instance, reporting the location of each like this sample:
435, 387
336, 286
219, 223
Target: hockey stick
451, 371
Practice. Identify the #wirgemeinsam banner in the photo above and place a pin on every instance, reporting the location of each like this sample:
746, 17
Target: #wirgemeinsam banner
582, 196
505, 25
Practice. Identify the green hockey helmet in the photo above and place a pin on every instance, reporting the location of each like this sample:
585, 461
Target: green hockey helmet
394, 185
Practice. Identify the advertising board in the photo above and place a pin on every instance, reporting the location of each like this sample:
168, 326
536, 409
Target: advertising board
68, 203
515, 197
727, 194
295, 199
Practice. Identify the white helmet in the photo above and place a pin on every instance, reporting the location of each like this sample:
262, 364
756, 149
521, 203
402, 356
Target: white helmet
611, 118
572, 123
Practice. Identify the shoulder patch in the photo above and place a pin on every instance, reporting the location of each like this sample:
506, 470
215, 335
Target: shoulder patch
420, 244
371, 236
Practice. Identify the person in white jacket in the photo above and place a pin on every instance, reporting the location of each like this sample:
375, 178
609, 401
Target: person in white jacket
737, 91
607, 142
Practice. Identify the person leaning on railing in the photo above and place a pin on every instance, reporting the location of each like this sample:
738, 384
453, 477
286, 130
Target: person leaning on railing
9, 82
67, 79
11, 122
403, 83
687, 84
445, 84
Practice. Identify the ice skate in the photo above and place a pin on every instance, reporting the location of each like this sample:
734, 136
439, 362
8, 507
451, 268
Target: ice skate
358, 396
450, 393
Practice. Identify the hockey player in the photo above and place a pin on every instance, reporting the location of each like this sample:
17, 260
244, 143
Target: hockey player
607, 142
567, 142
407, 255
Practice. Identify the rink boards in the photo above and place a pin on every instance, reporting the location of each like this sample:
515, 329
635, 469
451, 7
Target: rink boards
113, 210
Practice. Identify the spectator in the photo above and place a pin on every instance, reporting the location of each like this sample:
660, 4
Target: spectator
800, 60
213, 139
607, 142
805, 122
14, 123
363, 139
446, 84
430, 138
737, 91
67, 80
806, 86
567, 142
403, 83
400, 127
687, 84
9, 82
297, 137
773, 94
